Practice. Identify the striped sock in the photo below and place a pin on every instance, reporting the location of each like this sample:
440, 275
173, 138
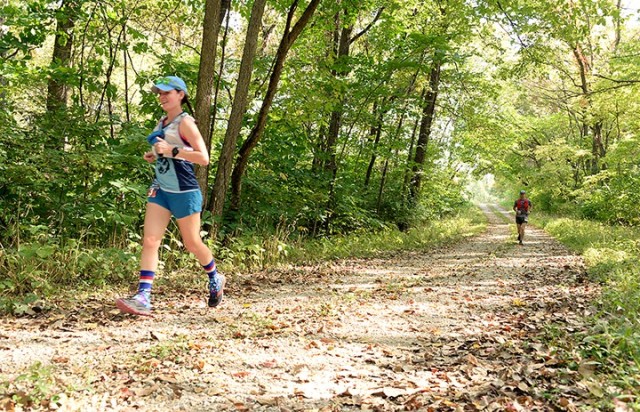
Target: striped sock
146, 281
212, 271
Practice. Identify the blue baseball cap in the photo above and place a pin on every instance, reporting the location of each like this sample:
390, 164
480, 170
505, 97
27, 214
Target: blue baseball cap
169, 83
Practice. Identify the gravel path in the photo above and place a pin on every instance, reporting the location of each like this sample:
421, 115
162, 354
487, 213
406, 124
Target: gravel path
457, 328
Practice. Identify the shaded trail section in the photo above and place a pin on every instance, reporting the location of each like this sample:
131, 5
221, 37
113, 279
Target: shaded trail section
444, 329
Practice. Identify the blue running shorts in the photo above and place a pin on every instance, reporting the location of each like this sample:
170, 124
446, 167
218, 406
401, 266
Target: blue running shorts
179, 204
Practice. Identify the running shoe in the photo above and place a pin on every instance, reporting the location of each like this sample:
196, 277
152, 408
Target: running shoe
138, 304
216, 290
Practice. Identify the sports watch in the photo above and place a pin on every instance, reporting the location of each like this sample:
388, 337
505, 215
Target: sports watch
175, 151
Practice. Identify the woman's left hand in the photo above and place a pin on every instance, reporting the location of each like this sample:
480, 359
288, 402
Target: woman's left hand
162, 147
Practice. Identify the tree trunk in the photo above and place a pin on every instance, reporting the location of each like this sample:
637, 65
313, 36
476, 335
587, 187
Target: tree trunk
597, 148
407, 172
617, 23
62, 47
341, 42
3, 81
330, 165
376, 132
125, 71
342, 39
426, 123
112, 62
225, 162
288, 38
206, 77
383, 179
202, 172
318, 155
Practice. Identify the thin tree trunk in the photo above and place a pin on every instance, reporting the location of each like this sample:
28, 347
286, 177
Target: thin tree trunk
216, 90
288, 38
383, 179
342, 39
412, 144
376, 132
321, 150
335, 121
618, 24
597, 148
126, 74
112, 62
225, 162
82, 50
3, 81
425, 130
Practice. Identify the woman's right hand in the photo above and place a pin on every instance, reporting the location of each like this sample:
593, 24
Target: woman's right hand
149, 157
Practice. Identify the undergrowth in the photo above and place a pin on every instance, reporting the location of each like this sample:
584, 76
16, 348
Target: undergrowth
613, 340
367, 244
38, 272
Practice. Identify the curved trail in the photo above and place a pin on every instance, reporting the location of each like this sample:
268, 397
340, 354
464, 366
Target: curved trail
456, 327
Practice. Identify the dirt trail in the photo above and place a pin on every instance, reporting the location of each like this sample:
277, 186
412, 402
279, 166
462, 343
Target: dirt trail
456, 328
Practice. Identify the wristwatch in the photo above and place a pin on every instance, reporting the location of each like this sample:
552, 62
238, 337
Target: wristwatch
175, 151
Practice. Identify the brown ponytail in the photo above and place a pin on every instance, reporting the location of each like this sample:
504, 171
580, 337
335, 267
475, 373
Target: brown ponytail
185, 100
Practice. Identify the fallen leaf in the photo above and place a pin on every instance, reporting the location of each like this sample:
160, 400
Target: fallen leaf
269, 400
594, 388
269, 364
389, 392
156, 335
60, 359
587, 369
146, 391
472, 360
166, 378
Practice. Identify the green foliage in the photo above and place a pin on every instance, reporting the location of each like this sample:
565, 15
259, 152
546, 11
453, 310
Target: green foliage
366, 244
174, 349
34, 388
611, 254
43, 268
69, 182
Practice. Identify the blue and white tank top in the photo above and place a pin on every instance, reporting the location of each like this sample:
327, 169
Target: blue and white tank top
175, 175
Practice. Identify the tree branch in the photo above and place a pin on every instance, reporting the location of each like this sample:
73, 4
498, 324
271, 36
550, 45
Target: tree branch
369, 26
513, 25
623, 81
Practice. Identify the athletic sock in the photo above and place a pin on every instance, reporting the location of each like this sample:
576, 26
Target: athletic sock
212, 271
146, 281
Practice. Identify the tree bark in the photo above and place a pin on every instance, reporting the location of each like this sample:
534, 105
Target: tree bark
330, 165
125, 71
412, 143
206, 76
3, 81
342, 40
426, 123
288, 38
375, 134
383, 180
618, 24
61, 58
598, 150
225, 162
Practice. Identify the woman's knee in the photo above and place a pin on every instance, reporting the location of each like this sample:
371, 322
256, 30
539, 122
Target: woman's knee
151, 242
194, 246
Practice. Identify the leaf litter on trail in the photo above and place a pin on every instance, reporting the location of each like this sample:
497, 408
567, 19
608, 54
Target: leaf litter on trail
457, 328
